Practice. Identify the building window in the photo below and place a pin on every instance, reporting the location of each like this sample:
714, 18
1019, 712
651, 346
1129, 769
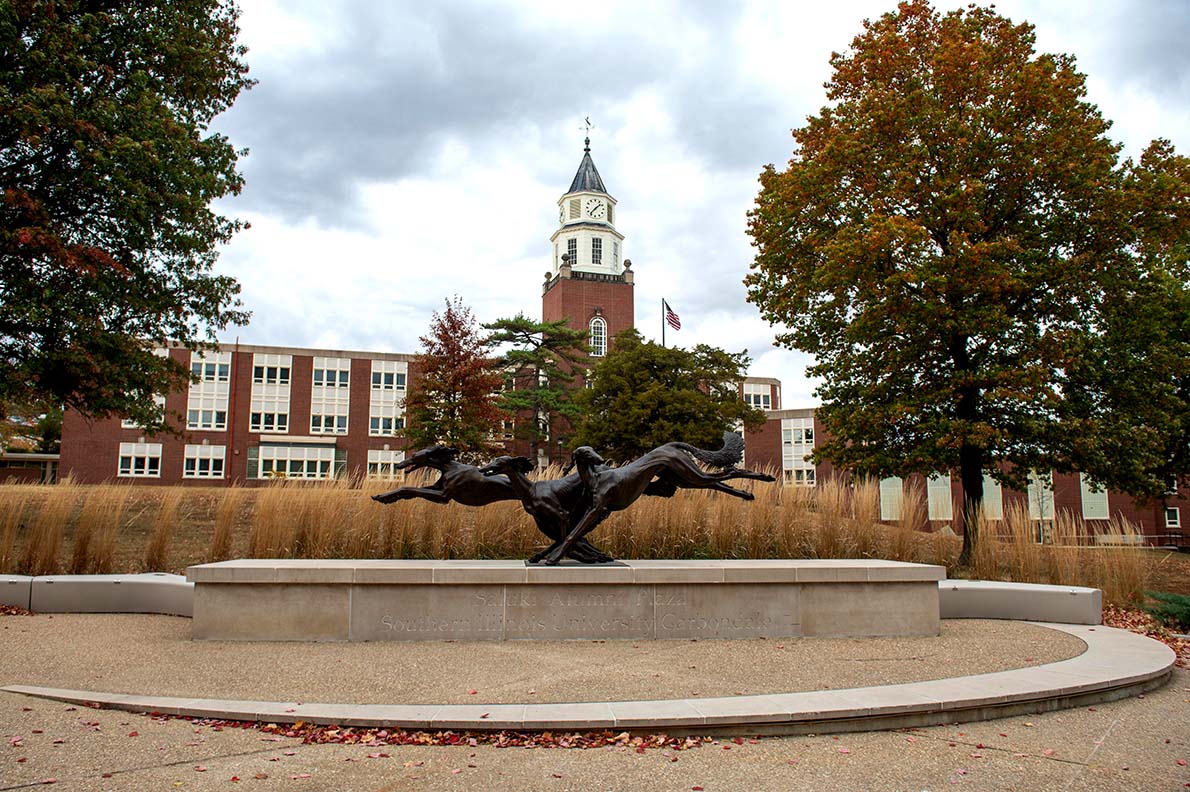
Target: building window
382, 464
1041, 496
140, 460
598, 337
309, 462
269, 410
204, 461
801, 477
386, 407
330, 393
939, 505
890, 498
206, 404
611, 219
596, 251
1094, 501
993, 499
758, 395
271, 375
1173, 517
572, 251
615, 250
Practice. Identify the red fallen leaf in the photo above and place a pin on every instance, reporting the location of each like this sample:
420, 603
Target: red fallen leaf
22, 759
981, 746
37, 731
727, 747
199, 769
976, 756
472, 692
1048, 752
738, 740
910, 739
556, 775
844, 750
290, 753
26, 709
696, 788
474, 742
1002, 734
15, 742
486, 714
378, 755
48, 781
780, 646
456, 771
291, 709
261, 776
299, 775
133, 734
106, 775
1181, 763
235, 778
961, 772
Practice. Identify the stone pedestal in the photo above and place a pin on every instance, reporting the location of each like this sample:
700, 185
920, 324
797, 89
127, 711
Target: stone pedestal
383, 600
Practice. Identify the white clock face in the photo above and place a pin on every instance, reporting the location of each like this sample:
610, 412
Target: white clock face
595, 208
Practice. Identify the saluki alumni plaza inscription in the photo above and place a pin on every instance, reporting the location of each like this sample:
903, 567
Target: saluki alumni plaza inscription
328, 600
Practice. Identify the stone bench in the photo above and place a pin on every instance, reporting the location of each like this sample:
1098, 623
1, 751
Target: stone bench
152, 592
988, 599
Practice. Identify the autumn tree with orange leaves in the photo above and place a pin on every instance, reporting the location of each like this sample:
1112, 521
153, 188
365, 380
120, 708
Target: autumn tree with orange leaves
453, 399
940, 242
108, 169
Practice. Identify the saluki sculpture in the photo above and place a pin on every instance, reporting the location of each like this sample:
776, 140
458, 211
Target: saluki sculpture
615, 489
459, 482
555, 505
465, 484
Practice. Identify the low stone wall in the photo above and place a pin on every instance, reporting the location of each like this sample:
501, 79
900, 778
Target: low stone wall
343, 600
992, 599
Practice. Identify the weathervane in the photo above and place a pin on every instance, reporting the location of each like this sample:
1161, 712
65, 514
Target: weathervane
587, 128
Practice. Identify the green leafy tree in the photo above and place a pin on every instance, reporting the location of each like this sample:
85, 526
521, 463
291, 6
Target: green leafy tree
539, 365
453, 397
643, 395
1128, 403
940, 242
108, 169
35, 427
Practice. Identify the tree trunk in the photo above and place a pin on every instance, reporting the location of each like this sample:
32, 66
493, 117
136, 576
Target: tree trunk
971, 476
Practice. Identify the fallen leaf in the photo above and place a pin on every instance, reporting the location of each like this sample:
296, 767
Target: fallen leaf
133, 734
1048, 752
48, 781
472, 692
299, 775
844, 750
199, 769
261, 776
1181, 763
290, 753
910, 739
456, 771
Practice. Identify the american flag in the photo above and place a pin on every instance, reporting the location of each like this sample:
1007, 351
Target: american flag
671, 318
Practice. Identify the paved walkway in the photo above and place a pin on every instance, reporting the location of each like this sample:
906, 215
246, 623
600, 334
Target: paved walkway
1132, 744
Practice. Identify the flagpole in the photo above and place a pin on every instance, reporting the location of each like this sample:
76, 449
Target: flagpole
663, 323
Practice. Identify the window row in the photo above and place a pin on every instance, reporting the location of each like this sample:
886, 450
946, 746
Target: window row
143, 460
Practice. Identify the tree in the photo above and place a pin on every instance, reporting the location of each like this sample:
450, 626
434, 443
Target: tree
539, 368
33, 428
108, 170
452, 400
1129, 397
643, 395
940, 241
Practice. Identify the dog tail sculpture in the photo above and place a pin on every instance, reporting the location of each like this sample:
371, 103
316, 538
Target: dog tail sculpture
727, 457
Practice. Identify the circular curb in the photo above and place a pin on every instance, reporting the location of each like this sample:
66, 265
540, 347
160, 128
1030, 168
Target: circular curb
1116, 664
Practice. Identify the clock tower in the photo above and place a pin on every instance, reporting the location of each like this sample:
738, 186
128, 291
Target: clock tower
590, 282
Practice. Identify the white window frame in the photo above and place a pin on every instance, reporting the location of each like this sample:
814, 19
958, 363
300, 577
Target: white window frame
1176, 513
598, 328
214, 457
330, 395
759, 396
304, 462
1095, 504
993, 504
596, 251
939, 501
381, 464
148, 455
386, 405
1041, 495
271, 378
891, 494
572, 251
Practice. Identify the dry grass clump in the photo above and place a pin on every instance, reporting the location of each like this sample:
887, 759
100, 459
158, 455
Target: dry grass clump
157, 549
98, 526
12, 514
40, 556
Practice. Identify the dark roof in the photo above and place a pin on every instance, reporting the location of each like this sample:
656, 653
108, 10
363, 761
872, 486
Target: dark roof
587, 179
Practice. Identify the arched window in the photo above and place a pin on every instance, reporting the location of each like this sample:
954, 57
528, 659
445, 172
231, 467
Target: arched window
598, 337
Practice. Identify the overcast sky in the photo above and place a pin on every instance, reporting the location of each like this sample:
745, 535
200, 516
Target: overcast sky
403, 152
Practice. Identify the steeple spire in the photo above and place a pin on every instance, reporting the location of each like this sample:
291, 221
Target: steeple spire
587, 178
